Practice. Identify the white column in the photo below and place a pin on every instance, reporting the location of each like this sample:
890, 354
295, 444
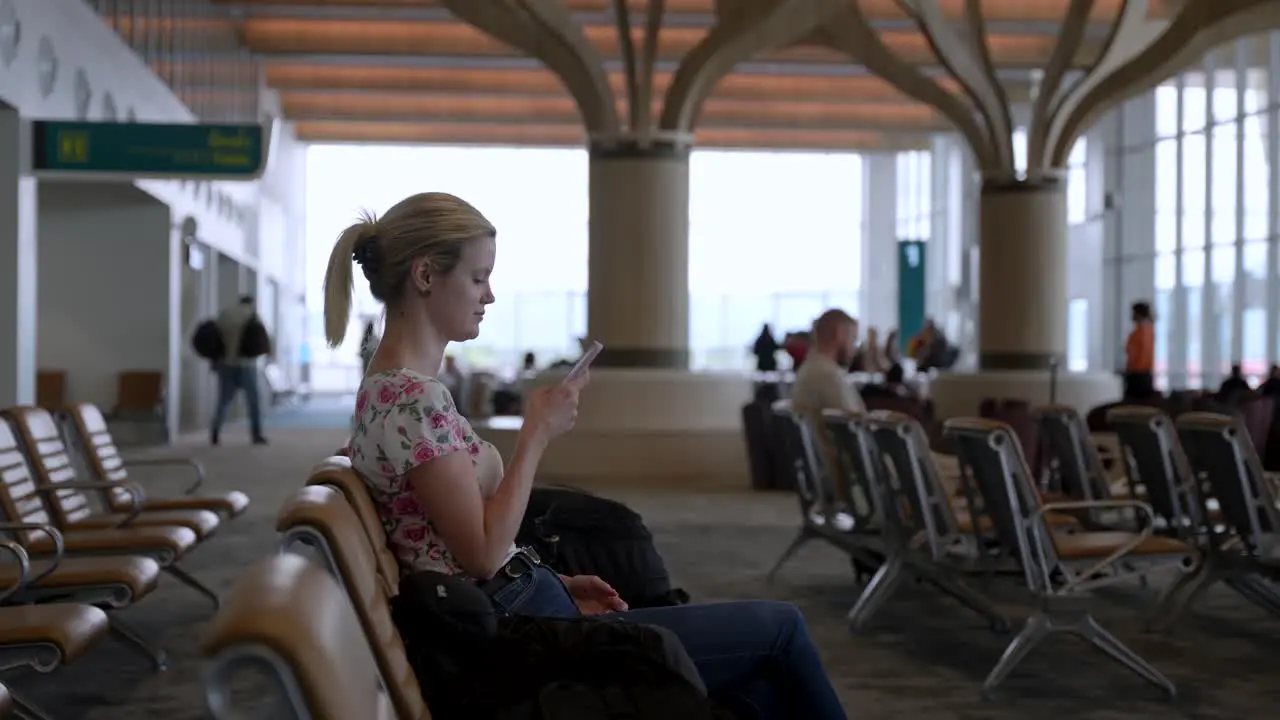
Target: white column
1023, 276
879, 302
17, 265
638, 267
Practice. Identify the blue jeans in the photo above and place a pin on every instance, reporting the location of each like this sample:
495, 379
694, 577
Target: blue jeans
754, 652
231, 379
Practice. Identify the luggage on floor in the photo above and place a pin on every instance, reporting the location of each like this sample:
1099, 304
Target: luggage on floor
755, 434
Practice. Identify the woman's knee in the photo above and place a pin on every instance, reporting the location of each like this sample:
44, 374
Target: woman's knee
677, 657
776, 613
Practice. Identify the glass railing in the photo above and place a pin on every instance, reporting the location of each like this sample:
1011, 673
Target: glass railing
722, 328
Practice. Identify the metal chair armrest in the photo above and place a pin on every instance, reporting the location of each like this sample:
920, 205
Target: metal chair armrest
59, 546
24, 567
1119, 553
192, 463
136, 494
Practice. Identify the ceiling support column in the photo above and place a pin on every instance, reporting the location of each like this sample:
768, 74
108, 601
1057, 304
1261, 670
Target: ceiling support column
1022, 276
638, 266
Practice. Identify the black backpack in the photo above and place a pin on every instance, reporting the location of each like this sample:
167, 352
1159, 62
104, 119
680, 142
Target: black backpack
254, 340
207, 341
474, 665
578, 533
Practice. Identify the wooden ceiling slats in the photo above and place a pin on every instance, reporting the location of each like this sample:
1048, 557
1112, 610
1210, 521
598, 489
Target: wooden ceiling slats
347, 72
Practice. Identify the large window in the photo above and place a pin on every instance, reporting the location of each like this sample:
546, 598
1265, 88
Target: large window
773, 238
1214, 152
537, 199
795, 252
915, 195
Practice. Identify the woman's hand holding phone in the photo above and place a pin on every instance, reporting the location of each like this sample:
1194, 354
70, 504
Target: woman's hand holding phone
551, 411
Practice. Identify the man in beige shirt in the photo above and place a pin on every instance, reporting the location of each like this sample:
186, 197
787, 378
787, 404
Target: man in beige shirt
822, 384
822, 381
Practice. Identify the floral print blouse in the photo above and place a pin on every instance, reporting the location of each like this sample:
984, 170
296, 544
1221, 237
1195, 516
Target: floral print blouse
404, 419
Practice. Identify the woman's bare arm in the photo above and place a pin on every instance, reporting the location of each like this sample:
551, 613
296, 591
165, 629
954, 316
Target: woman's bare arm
476, 531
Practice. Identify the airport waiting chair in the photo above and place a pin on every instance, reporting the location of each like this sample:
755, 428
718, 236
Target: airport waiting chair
1242, 549
823, 513
42, 637
318, 516
85, 429
1076, 464
109, 583
959, 530
1059, 569
1157, 471
336, 472
288, 619
24, 499
902, 527
93, 503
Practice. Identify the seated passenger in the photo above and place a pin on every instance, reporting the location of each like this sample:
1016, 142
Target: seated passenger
822, 383
446, 499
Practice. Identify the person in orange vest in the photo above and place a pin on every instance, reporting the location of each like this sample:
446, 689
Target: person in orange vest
1139, 352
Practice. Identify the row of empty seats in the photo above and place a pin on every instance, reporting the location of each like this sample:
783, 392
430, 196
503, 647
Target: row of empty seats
316, 619
85, 539
1192, 498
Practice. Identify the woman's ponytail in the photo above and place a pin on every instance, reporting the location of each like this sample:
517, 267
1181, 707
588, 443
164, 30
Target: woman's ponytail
338, 280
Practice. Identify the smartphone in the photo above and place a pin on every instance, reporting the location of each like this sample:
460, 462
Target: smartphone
584, 362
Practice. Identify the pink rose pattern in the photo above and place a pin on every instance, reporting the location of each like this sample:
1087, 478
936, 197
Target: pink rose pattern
403, 420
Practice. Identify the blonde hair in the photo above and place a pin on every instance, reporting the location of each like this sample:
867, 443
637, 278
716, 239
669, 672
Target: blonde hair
434, 225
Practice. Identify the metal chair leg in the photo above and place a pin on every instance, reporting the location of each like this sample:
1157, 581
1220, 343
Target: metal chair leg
971, 599
1179, 595
124, 631
805, 535
190, 581
1090, 630
877, 592
1036, 629
1257, 592
25, 710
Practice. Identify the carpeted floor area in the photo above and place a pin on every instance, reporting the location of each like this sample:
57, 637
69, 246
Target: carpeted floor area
923, 660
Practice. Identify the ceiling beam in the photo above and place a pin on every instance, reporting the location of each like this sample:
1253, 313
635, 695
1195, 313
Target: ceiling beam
566, 135
833, 69
596, 17
1045, 11
396, 108
381, 38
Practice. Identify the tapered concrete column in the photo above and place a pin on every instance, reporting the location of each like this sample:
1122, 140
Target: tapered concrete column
17, 266
1022, 308
638, 269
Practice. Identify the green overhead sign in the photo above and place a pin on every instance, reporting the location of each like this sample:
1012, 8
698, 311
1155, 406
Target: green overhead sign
137, 150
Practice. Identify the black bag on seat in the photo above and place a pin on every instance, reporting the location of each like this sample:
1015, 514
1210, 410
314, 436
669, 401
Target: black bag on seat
578, 533
475, 665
